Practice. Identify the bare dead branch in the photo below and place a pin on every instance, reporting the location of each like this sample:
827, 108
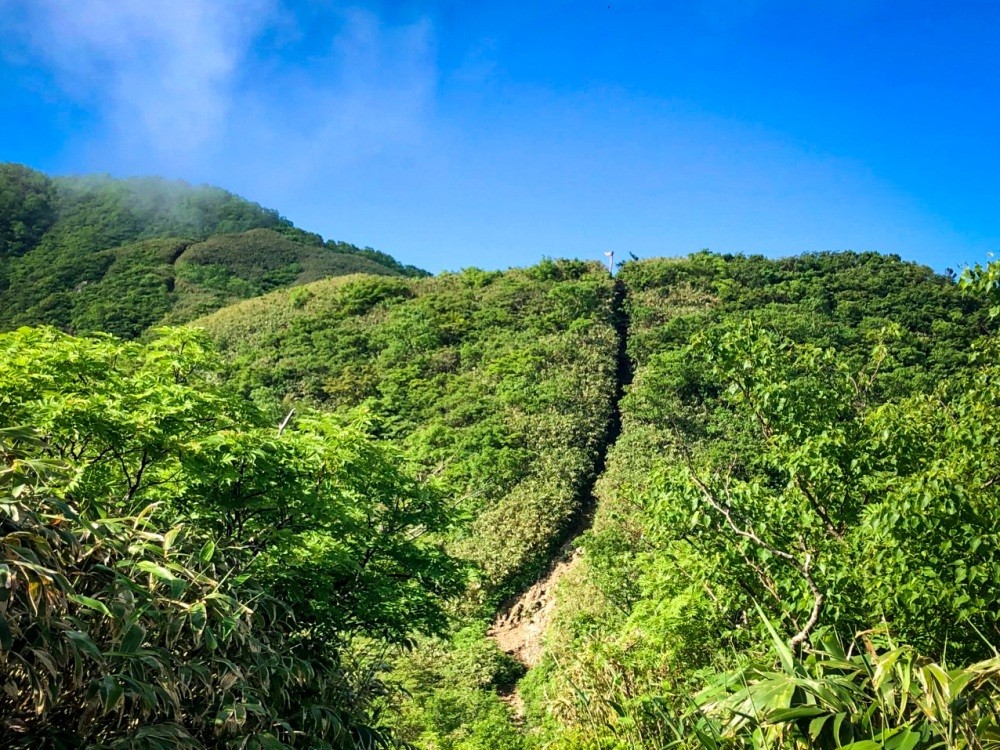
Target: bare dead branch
284, 422
818, 598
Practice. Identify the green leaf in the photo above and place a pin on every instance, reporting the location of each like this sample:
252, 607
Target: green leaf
783, 715
133, 639
198, 616
207, 551
90, 603
169, 538
904, 739
210, 640
157, 571
785, 654
85, 642
111, 689
816, 726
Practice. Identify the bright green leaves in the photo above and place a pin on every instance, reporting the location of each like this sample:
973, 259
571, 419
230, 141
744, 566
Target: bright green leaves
168, 556
893, 505
91, 603
983, 282
117, 411
869, 698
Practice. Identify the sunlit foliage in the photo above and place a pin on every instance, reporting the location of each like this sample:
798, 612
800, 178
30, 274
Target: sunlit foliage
98, 254
799, 437
179, 571
502, 385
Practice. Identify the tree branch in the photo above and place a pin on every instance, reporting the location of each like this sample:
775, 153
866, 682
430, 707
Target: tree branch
747, 532
818, 598
284, 422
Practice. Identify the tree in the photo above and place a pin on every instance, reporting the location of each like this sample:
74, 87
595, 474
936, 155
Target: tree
176, 572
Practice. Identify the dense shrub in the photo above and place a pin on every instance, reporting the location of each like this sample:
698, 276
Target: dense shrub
179, 572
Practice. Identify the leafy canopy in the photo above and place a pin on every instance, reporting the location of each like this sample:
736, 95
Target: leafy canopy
178, 572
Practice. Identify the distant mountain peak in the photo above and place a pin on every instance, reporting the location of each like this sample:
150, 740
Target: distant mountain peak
120, 255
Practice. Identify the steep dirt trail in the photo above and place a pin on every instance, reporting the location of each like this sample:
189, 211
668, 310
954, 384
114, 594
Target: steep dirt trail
520, 627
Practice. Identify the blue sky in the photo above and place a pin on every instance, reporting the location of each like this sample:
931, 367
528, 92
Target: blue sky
453, 134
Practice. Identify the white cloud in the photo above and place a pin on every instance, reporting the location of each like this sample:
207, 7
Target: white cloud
369, 88
160, 72
207, 89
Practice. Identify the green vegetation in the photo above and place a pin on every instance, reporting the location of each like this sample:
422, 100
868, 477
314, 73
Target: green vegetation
499, 383
771, 486
178, 572
26, 209
97, 254
834, 697
805, 443
230, 267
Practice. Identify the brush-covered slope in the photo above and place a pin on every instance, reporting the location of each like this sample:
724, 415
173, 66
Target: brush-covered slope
749, 374
499, 383
95, 253
796, 539
780, 393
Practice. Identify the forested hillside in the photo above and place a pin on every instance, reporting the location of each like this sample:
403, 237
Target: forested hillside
669, 585
98, 254
730, 501
500, 384
804, 457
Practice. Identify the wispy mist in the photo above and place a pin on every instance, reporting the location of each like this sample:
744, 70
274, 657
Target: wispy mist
161, 73
179, 93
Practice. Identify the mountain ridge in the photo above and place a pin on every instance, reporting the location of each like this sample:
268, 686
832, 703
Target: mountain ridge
510, 510
160, 251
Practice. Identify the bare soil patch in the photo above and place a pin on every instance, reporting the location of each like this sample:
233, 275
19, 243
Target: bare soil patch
519, 630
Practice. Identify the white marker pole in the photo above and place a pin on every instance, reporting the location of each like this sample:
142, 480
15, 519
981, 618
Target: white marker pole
611, 261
